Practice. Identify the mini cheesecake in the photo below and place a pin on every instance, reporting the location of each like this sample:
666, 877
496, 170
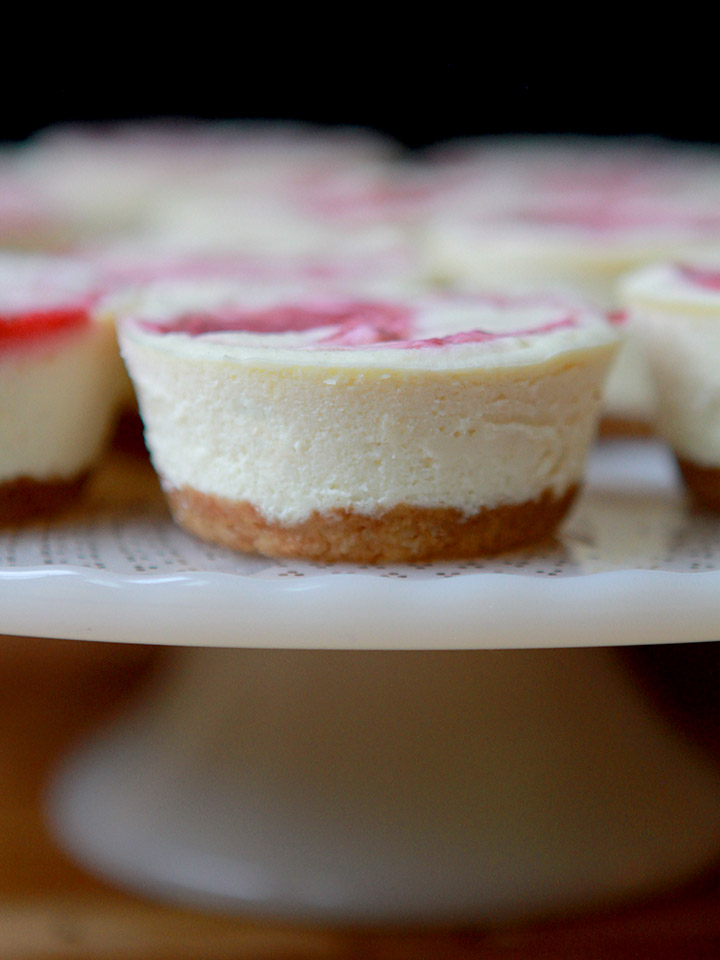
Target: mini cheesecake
29, 221
191, 178
348, 429
59, 375
117, 176
277, 219
676, 310
579, 245
499, 173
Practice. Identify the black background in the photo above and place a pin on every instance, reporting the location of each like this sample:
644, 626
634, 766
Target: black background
417, 101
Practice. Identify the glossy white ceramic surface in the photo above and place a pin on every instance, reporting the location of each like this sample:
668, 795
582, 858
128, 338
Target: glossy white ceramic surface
632, 564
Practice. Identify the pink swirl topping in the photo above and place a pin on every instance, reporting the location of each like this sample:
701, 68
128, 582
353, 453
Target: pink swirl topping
351, 324
483, 336
704, 277
369, 322
42, 298
609, 217
355, 322
33, 327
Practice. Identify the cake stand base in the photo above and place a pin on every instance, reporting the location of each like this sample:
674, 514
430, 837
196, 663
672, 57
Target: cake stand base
392, 786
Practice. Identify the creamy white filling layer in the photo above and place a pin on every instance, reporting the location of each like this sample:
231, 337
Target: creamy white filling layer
32, 282
575, 265
678, 319
667, 286
482, 255
683, 350
629, 392
57, 403
296, 438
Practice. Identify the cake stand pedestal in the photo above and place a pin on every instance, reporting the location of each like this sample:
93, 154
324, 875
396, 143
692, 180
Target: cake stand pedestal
351, 745
377, 786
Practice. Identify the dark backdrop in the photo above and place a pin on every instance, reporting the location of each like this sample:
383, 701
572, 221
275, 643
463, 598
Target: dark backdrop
416, 102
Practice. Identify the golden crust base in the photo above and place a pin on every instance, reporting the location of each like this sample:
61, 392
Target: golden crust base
25, 498
403, 534
703, 483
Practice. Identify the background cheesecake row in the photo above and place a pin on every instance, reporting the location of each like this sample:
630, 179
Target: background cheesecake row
414, 348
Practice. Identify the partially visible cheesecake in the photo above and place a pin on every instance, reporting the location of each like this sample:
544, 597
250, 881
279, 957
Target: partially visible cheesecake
341, 428
59, 376
119, 176
676, 310
29, 220
579, 245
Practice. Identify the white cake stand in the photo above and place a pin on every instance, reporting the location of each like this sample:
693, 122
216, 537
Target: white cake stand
352, 744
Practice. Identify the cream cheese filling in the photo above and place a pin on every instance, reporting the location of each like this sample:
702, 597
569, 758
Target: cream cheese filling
679, 322
295, 440
293, 428
57, 403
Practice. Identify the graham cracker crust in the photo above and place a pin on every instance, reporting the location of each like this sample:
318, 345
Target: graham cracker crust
703, 483
403, 534
26, 498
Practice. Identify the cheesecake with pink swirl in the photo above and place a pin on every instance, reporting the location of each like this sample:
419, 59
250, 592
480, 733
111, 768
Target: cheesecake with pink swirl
676, 309
59, 383
341, 428
580, 245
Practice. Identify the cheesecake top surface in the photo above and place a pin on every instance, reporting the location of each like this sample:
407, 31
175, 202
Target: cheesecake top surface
223, 320
42, 298
596, 221
32, 283
693, 284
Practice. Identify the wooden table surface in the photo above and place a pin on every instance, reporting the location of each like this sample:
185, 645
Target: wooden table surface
52, 691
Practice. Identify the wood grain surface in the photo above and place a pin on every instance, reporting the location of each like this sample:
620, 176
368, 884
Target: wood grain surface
53, 691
